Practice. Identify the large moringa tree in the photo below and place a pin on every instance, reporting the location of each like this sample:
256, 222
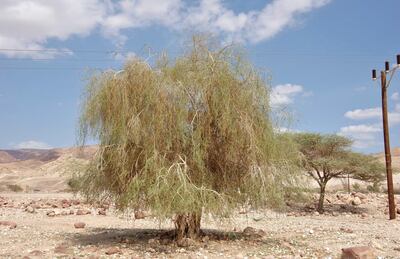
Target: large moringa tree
186, 136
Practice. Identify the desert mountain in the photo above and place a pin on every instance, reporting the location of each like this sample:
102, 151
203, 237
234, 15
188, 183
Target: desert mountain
41, 170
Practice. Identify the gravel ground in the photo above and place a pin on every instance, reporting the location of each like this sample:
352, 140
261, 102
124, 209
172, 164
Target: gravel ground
45, 229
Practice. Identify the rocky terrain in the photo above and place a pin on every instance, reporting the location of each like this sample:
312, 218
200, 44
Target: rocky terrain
60, 225
39, 219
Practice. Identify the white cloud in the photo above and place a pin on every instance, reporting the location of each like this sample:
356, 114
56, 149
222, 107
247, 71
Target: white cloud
285, 130
284, 94
374, 113
32, 144
395, 96
362, 114
30, 24
363, 135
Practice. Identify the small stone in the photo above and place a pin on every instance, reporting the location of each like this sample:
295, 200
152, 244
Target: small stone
205, 239
346, 230
83, 212
316, 213
30, 209
36, 253
165, 241
102, 212
66, 205
356, 201
358, 252
398, 210
185, 242
242, 211
253, 232
364, 215
139, 215
10, 224
113, 250
152, 241
311, 231
63, 249
51, 213
360, 195
79, 225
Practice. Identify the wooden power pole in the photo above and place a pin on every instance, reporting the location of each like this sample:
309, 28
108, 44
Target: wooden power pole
388, 157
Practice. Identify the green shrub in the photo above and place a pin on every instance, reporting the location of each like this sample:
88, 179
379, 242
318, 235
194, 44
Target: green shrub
15, 188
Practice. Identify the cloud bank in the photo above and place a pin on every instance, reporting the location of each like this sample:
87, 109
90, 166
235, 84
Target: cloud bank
30, 24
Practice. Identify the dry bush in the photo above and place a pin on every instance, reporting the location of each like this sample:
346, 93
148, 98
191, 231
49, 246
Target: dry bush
15, 188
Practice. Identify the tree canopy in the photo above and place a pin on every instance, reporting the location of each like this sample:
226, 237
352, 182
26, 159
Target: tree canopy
329, 156
187, 135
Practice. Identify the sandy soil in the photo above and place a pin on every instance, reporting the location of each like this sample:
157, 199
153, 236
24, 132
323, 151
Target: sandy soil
299, 232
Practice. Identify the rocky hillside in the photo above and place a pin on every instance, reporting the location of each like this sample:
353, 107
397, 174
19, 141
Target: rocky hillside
40, 170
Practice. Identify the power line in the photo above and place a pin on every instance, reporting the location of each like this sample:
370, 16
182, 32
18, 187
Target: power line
117, 51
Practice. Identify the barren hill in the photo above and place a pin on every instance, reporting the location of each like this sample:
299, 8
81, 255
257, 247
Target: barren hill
40, 169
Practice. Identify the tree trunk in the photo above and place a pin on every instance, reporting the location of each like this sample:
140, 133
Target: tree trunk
320, 207
187, 225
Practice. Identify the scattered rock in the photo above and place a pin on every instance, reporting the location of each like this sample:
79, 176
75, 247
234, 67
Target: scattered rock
356, 201
79, 225
364, 215
10, 224
398, 210
113, 250
102, 212
358, 252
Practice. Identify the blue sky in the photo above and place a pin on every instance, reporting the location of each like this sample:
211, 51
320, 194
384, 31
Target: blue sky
319, 53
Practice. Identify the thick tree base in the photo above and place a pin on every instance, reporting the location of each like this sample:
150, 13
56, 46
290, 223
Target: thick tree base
187, 226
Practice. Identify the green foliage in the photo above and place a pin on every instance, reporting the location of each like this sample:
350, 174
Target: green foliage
329, 156
356, 187
188, 134
15, 187
375, 187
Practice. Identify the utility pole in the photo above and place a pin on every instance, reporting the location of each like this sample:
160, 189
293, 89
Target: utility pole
388, 158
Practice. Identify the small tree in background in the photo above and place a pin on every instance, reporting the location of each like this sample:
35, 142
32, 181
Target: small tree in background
187, 136
329, 156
